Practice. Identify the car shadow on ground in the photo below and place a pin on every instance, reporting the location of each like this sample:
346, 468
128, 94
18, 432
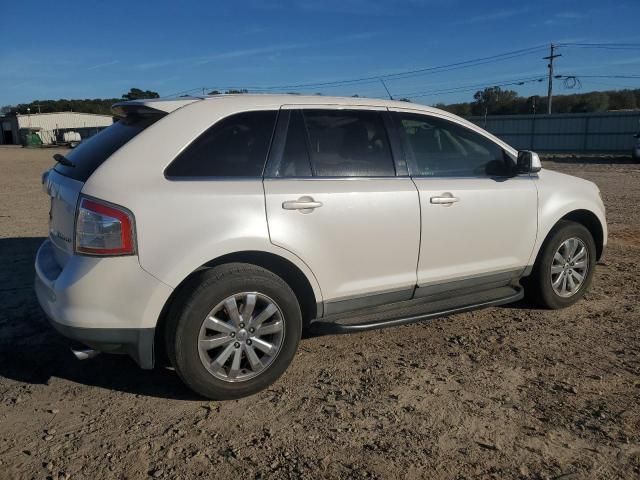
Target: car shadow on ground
32, 352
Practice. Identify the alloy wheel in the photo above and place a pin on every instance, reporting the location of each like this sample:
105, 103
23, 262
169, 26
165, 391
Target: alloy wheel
569, 267
241, 336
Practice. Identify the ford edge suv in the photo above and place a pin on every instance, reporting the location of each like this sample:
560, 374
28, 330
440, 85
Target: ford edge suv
214, 231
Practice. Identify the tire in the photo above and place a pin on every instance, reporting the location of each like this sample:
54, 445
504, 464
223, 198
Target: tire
209, 293
540, 283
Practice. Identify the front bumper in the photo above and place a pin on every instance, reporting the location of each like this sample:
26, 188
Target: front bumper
109, 304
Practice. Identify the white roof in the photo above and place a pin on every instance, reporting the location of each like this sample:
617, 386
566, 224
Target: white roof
248, 100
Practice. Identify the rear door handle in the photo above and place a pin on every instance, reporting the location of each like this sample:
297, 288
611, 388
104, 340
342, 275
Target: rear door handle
304, 204
446, 199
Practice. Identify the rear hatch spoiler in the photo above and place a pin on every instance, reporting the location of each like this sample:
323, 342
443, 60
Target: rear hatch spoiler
152, 106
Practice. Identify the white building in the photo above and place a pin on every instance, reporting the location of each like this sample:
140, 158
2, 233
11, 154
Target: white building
51, 126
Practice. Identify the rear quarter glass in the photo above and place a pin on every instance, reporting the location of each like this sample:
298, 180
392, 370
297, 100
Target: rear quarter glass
92, 153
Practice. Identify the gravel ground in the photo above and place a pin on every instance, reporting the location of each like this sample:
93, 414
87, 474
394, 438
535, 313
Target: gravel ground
499, 393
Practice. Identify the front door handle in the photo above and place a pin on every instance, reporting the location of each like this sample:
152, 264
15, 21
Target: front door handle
304, 204
446, 199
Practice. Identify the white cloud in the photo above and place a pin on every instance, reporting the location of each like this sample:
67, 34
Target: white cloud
489, 17
101, 65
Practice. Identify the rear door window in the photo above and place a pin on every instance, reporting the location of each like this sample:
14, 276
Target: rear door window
348, 143
236, 146
92, 153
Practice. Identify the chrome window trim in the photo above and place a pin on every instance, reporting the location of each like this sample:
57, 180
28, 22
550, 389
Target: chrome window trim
211, 178
334, 106
338, 178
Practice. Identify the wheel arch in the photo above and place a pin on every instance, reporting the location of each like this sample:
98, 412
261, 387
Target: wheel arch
310, 306
584, 217
592, 223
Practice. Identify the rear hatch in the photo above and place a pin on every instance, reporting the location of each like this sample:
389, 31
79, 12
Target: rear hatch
63, 183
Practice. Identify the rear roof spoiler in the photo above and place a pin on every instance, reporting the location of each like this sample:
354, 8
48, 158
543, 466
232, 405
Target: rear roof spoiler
153, 106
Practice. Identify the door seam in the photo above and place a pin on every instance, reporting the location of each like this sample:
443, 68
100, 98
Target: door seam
419, 235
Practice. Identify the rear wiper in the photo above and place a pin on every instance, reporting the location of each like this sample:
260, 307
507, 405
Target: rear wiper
62, 160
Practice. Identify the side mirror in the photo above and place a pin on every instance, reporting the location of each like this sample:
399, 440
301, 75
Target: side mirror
528, 162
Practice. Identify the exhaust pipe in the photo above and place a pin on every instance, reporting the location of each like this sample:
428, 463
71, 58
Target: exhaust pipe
85, 353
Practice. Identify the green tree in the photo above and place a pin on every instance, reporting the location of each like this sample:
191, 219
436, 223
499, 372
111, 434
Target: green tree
622, 100
461, 109
137, 94
493, 100
592, 102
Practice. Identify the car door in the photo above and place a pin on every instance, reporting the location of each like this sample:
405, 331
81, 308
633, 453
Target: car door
333, 198
479, 220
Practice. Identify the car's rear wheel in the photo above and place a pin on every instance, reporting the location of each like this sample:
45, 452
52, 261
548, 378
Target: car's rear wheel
233, 331
564, 268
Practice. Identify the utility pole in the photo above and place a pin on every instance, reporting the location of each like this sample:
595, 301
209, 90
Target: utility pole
550, 65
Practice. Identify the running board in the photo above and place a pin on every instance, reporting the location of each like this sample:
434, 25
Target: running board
411, 311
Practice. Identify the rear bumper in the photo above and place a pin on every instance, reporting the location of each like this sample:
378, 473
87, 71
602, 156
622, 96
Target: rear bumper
109, 304
137, 343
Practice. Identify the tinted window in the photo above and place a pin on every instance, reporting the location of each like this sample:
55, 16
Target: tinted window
440, 148
346, 143
92, 153
295, 156
236, 146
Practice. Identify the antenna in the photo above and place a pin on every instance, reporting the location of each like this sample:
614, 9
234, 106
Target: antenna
385, 87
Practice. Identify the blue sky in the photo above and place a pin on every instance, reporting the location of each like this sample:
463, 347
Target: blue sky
90, 49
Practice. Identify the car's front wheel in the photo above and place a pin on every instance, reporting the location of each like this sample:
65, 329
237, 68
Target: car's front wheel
234, 331
565, 265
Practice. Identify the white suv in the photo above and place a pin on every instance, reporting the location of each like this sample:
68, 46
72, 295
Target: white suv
215, 231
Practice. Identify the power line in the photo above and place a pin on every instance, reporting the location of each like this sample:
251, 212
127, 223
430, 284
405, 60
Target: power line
466, 88
616, 85
184, 92
605, 46
390, 76
415, 72
599, 76
421, 71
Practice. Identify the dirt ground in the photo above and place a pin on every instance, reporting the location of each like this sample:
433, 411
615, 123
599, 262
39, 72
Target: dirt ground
509, 392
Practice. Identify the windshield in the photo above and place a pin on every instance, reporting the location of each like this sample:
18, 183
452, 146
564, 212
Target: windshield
91, 153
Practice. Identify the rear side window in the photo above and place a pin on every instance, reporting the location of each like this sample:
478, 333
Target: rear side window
236, 146
92, 153
348, 143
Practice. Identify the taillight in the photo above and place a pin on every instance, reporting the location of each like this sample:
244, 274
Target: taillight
103, 229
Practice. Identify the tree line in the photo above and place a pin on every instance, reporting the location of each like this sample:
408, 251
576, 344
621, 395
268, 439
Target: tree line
99, 106
495, 101
490, 101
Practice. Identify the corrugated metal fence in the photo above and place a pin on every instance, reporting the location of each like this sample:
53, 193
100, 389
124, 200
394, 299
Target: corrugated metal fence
606, 132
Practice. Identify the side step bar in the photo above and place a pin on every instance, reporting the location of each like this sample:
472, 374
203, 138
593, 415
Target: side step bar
417, 310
